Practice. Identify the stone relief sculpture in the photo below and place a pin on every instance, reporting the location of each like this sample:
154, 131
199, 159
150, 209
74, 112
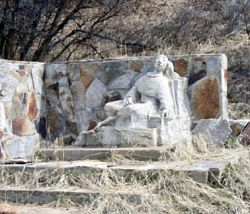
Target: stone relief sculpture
154, 112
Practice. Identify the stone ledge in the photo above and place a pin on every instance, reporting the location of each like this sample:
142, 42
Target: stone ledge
74, 153
49, 195
200, 170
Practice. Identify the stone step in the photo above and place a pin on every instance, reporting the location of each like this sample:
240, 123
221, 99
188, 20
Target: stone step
58, 195
43, 209
74, 153
200, 170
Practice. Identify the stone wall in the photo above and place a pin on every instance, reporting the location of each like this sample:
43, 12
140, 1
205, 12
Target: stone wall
77, 91
21, 91
61, 99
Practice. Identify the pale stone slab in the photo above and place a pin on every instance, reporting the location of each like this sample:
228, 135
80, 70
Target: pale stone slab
82, 153
111, 137
214, 131
21, 147
95, 94
122, 82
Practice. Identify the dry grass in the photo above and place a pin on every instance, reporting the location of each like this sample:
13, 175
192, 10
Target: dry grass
162, 192
147, 192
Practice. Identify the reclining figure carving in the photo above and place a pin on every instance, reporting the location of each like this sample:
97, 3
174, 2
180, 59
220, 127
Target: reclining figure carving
159, 94
149, 94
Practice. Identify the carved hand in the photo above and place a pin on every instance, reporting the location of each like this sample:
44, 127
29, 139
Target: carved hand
98, 127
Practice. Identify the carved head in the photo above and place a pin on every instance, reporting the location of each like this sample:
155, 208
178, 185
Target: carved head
161, 62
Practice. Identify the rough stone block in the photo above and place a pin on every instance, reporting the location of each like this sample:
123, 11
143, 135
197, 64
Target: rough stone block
215, 132
23, 127
244, 137
181, 67
122, 82
87, 73
21, 147
205, 98
111, 137
54, 72
95, 94
78, 94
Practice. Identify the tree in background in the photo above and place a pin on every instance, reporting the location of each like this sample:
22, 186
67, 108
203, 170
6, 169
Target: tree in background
39, 30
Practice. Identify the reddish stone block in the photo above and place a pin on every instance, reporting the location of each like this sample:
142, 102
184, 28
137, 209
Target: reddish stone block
23, 127
205, 98
32, 108
236, 129
245, 135
136, 65
86, 78
181, 67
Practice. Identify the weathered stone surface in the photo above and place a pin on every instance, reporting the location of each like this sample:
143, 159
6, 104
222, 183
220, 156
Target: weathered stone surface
205, 98
36, 72
122, 82
3, 120
78, 94
244, 138
56, 121
21, 147
95, 94
198, 64
110, 70
236, 129
193, 78
8, 83
87, 73
54, 72
18, 108
181, 67
73, 71
23, 127
214, 131
103, 154
85, 119
32, 106
66, 99
112, 137
237, 126
136, 66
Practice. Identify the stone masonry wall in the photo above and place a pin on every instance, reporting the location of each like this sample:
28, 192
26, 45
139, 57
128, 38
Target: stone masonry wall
77, 91
21, 91
61, 99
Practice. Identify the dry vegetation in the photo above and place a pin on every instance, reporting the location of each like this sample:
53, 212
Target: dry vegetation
147, 192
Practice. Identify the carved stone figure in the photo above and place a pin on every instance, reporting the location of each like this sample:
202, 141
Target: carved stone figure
155, 104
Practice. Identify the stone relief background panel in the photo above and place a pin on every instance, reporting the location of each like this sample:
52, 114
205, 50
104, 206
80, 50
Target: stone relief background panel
77, 91
61, 99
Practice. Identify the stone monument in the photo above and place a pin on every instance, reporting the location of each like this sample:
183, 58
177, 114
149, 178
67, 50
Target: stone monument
155, 111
